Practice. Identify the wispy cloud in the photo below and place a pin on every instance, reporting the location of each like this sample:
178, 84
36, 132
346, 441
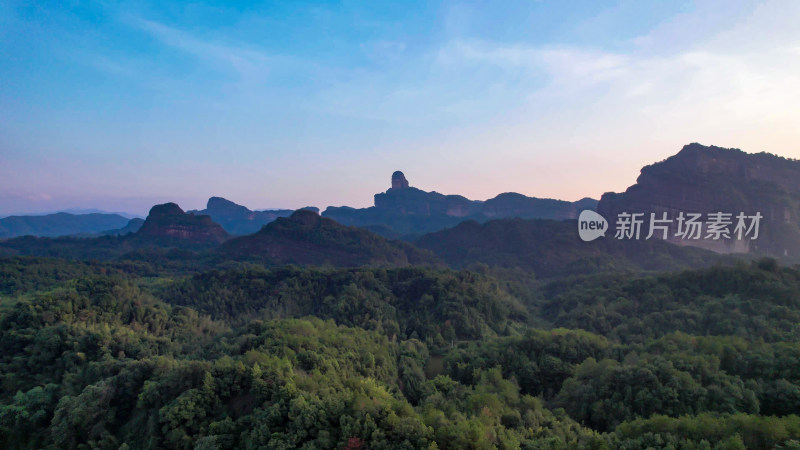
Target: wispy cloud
250, 64
580, 65
761, 78
449, 95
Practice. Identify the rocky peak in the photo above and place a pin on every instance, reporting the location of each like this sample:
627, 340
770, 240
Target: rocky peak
166, 210
221, 205
399, 181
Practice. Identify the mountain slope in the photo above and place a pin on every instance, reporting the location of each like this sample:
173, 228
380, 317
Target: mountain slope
306, 238
701, 179
553, 248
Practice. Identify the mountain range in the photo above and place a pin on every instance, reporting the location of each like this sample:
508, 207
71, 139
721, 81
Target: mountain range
404, 210
166, 226
546, 248
401, 211
304, 238
511, 332
505, 231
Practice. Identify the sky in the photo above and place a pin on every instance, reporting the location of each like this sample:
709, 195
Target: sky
123, 105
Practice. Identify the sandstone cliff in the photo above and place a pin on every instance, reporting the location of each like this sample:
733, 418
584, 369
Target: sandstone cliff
168, 224
701, 179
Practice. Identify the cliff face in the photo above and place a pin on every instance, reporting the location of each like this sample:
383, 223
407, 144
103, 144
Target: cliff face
407, 210
705, 180
413, 201
168, 223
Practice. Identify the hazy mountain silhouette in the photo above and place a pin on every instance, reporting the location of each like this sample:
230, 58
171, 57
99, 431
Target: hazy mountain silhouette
697, 179
239, 220
132, 227
59, 224
167, 226
406, 210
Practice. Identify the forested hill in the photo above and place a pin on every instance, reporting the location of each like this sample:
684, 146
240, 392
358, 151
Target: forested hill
305, 238
99, 356
552, 248
402, 302
760, 301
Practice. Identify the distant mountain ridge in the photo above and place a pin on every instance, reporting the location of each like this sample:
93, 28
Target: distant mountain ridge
703, 179
60, 224
239, 220
697, 179
132, 227
166, 226
304, 238
406, 210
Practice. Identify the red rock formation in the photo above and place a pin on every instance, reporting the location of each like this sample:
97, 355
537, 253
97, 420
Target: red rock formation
169, 222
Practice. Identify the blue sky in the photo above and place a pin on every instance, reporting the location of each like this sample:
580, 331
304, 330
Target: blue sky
123, 105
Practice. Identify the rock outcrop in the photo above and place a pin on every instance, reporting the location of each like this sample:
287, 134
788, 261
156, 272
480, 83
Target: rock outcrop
168, 224
399, 181
701, 179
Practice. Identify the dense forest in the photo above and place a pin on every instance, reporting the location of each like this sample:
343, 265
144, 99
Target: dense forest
133, 353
